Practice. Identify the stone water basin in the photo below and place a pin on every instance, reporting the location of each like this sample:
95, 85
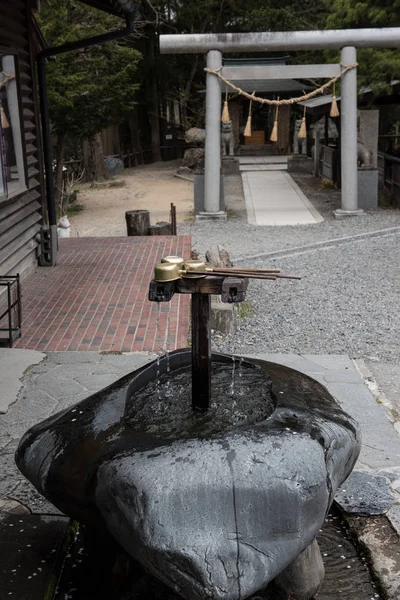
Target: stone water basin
212, 513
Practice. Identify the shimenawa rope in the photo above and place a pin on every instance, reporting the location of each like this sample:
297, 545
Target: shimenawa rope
287, 101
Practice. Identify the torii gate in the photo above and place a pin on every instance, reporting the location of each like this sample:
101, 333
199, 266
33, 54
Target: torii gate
345, 40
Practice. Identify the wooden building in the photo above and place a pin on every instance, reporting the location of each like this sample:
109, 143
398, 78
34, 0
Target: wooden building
24, 205
21, 171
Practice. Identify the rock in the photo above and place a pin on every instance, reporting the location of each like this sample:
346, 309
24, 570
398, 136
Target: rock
303, 577
161, 228
113, 165
185, 173
195, 136
365, 494
113, 183
219, 516
223, 315
193, 159
217, 256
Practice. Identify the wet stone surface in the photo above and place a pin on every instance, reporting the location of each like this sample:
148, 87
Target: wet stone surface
365, 494
241, 396
28, 555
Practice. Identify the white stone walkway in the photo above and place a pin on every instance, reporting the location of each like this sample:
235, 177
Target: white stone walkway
272, 197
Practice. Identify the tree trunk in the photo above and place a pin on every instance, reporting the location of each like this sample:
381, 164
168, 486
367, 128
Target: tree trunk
135, 132
93, 159
137, 222
186, 93
59, 192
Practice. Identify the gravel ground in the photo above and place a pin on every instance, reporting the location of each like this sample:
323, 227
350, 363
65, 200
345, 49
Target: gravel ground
242, 240
346, 303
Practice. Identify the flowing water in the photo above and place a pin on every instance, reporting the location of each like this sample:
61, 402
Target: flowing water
164, 407
89, 575
157, 382
347, 575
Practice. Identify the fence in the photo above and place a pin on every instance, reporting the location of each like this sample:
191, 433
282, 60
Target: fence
389, 175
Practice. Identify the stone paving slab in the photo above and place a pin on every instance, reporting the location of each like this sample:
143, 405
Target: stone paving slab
16, 362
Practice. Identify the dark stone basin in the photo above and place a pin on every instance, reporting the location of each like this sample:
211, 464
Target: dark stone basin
213, 517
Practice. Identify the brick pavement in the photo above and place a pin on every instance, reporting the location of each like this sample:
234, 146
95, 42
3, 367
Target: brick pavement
96, 297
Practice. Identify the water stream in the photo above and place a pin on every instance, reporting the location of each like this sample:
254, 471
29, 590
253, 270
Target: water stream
166, 410
347, 576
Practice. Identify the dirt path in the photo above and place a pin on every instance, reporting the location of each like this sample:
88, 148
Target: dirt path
151, 187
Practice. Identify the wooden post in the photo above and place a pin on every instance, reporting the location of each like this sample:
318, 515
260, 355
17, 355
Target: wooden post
201, 351
317, 151
137, 222
173, 218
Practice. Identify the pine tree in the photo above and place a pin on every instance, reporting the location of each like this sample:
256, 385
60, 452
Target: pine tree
88, 89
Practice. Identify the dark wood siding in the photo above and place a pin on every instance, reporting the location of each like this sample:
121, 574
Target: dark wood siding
20, 217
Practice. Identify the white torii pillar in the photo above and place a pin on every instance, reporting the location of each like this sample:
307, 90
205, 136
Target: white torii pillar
212, 154
348, 136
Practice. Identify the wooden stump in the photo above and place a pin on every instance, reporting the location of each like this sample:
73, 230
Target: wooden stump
161, 228
137, 222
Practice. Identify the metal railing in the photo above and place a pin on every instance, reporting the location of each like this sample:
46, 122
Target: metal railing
10, 316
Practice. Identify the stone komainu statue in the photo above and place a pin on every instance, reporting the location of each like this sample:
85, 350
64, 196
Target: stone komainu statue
364, 156
227, 139
299, 144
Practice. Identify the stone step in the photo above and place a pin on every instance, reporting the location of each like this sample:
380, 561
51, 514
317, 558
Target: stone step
256, 167
264, 150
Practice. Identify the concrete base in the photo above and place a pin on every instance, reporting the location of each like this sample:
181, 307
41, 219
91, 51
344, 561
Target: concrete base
300, 164
48, 246
206, 216
342, 214
230, 165
368, 188
198, 190
223, 316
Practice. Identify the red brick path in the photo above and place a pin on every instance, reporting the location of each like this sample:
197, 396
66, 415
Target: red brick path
96, 297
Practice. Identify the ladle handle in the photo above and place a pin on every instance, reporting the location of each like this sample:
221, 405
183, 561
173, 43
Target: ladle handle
228, 274
245, 270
